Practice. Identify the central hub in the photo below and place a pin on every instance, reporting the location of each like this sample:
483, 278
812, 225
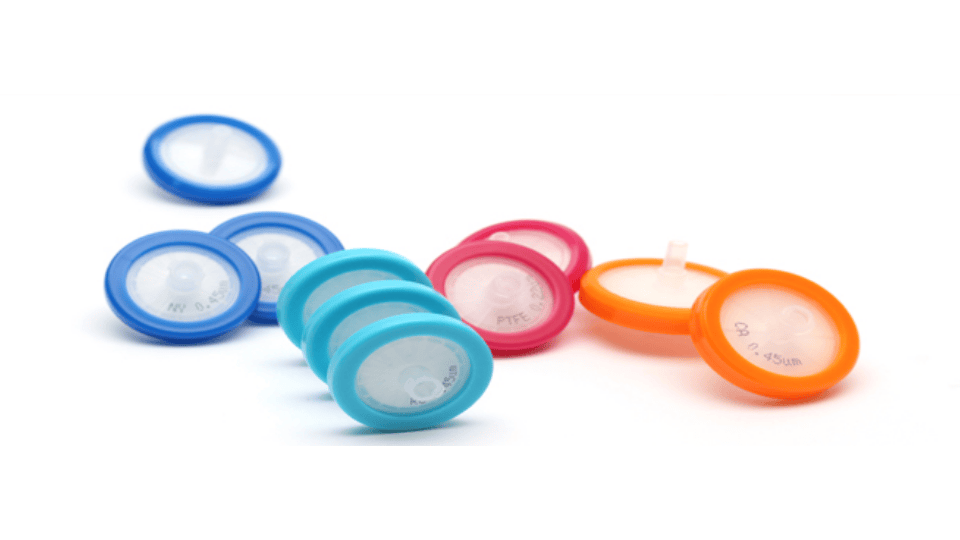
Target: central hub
185, 276
273, 257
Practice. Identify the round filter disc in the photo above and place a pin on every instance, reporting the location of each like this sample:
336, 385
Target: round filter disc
211, 159
774, 333
321, 279
653, 295
279, 244
347, 312
564, 247
514, 297
182, 286
410, 371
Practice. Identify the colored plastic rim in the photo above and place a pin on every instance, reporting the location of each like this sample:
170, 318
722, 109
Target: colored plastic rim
341, 316
323, 278
408, 394
633, 314
279, 244
544, 301
182, 295
560, 244
224, 160
793, 314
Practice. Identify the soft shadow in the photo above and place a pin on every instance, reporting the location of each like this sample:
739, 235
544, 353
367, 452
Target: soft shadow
113, 328
263, 324
116, 330
645, 343
525, 353
315, 397
576, 330
291, 362
416, 434
146, 187
276, 190
727, 392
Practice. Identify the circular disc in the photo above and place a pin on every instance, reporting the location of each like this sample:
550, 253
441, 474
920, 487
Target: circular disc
182, 286
410, 371
320, 280
774, 333
560, 244
633, 293
349, 311
279, 244
514, 297
211, 159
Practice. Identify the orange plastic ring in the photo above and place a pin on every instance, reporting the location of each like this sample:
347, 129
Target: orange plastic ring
630, 313
715, 348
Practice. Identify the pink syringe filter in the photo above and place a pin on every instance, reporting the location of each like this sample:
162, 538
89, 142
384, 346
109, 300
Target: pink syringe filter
561, 245
514, 297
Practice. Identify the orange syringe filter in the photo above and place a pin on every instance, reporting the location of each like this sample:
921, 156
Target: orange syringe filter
774, 333
653, 295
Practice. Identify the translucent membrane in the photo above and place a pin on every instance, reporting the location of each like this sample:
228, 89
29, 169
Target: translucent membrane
412, 374
668, 285
364, 316
182, 284
341, 282
213, 154
278, 253
499, 294
548, 245
779, 330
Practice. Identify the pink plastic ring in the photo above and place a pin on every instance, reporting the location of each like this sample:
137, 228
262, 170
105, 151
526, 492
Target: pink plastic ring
514, 297
520, 230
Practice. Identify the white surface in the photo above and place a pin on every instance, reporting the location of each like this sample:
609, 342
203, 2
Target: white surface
818, 137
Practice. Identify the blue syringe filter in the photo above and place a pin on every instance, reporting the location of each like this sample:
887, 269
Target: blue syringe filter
348, 311
211, 159
323, 278
279, 244
410, 371
182, 286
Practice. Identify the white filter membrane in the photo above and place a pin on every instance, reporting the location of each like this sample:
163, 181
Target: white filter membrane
182, 284
364, 316
213, 154
499, 294
650, 285
412, 374
779, 330
278, 253
542, 242
340, 283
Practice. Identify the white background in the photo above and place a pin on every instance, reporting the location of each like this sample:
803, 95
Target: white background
819, 138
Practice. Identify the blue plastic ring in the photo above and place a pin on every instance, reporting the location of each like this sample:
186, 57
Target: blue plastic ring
266, 312
294, 295
190, 189
321, 325
173, 331
351, 355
